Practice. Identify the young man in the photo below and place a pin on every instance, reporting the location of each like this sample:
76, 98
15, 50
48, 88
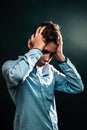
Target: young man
31, 80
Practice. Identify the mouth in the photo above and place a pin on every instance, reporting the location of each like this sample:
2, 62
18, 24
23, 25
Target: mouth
42, 64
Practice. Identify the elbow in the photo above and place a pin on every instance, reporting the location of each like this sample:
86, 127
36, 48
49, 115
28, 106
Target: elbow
80, 87
3, 70
14, 77
11, 76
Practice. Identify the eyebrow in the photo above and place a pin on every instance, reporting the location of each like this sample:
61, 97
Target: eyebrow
46, 52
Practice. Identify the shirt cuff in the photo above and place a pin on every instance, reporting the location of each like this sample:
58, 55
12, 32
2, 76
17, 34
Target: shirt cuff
60, 62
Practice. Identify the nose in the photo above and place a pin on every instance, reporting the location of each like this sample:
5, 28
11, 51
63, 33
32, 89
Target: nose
47, 57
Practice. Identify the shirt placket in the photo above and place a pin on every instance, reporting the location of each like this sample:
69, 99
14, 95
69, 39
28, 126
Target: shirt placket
43, 93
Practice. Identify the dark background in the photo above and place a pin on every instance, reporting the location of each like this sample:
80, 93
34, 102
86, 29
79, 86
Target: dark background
17, 22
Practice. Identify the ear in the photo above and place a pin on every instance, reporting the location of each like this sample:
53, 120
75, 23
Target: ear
30, 45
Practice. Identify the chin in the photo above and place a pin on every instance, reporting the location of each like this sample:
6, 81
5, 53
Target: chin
40, 64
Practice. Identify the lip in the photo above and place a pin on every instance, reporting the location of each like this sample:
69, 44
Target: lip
42, 64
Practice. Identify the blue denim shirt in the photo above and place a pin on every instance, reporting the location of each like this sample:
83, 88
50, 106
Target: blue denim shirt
32, 90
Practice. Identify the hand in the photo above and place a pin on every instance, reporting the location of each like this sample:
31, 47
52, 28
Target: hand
37, 40
59, 52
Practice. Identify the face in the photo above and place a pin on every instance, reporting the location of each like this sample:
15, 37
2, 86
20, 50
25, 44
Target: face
48, 53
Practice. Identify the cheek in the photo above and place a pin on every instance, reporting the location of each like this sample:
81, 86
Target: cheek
41, 58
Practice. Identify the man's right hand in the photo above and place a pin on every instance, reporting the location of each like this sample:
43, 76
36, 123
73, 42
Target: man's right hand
37, 40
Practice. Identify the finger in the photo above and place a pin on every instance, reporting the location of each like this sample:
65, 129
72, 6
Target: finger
60, 39
60, 36
38, 30
41, 29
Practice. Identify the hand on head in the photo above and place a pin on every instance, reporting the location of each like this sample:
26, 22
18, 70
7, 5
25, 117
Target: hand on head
37, 40
59, 52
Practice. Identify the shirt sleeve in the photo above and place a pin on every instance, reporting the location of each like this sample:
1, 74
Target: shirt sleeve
16, 71
70, 80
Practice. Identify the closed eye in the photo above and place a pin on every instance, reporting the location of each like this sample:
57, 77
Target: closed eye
45, 51
48, 52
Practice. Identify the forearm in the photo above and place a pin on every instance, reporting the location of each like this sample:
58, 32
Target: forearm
61, 57
69, 81
73, 78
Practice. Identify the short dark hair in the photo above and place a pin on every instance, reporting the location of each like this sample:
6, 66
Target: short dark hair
51, 31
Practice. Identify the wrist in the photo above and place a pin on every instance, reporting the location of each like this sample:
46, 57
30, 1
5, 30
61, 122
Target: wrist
61, 58
38, 47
